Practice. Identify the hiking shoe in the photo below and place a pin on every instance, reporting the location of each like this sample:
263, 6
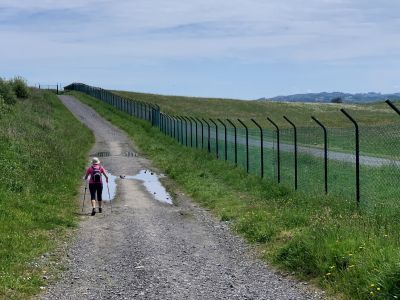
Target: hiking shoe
100, 210
93, 212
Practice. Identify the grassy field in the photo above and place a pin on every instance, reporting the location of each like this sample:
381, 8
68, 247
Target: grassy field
299, 113
350, 252
40, 168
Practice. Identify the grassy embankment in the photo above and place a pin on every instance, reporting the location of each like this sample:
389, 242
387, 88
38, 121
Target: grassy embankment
299, 113
378, 122
379, 128
323, 239
40, 167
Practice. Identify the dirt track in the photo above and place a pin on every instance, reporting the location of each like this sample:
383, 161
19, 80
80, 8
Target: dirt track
146, 249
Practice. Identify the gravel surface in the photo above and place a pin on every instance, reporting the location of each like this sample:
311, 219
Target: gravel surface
146, 249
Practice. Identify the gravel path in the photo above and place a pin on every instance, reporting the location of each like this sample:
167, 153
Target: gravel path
146, 249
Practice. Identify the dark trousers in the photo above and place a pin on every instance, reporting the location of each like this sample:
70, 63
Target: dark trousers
94, 188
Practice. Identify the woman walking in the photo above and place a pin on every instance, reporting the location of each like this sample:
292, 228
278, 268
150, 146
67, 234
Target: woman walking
95, 171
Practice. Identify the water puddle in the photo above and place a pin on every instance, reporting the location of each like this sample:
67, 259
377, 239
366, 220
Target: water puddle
152, 183
150, 180
112, 188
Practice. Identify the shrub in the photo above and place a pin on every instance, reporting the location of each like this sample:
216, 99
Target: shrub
7, 93
20, 87
2, 106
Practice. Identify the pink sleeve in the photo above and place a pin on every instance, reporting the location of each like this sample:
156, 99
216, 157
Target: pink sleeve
102, 170
89, 171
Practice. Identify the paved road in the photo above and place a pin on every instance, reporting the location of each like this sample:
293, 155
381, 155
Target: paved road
146, 249
365, 160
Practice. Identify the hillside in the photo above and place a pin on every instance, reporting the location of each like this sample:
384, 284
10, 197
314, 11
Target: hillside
326, 97
329, 113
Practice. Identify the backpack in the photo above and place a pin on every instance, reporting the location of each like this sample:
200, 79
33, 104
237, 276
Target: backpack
96, 174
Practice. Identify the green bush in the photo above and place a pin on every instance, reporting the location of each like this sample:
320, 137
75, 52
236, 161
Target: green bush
4, 108
20, 87
6, 91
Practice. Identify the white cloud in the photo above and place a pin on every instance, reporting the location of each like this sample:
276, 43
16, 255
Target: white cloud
247, 31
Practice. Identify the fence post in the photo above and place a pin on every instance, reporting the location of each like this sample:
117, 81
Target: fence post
162, 124
142, 110
171, 126
247, 145
393, 106
174, 126
194, 120
278, 148
186, 130
178, 129
325, 153
208, 144
191, 131
235, 136
357, 137
225, 138
295, 150
216, 138
181, 127
202, 133
261, 147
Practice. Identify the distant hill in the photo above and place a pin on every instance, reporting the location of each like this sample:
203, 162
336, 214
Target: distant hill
325, 97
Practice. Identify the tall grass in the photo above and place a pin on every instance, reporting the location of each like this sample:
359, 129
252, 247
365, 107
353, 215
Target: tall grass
327, 240
40, 167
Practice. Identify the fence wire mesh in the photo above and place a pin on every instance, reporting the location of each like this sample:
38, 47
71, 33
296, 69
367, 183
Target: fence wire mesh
298, 158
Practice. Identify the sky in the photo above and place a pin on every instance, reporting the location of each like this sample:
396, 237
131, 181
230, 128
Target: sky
242, 49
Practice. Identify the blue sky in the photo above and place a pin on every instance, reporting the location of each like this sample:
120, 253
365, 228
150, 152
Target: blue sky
232, 49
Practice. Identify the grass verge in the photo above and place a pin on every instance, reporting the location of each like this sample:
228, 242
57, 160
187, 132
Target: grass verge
327, 240
40, 167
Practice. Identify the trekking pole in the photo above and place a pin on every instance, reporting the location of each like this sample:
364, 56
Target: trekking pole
108, 189
84, 196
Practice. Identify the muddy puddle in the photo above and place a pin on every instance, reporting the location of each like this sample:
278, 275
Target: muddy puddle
112, 188
150, 180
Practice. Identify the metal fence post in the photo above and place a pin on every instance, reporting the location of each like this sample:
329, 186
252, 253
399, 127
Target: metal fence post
181, 128
278, 149
325, 153
202, 133
216, 137
393, 106
195, 121
357, 137
247, 145
225, 139
295, 150
261, 147
174, 126
178, 129
186, 131
191, 131
235, 137
170, 120
162, 124
208, 128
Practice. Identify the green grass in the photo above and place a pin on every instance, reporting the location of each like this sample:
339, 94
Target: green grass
40, 170
299, 113
327, 240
